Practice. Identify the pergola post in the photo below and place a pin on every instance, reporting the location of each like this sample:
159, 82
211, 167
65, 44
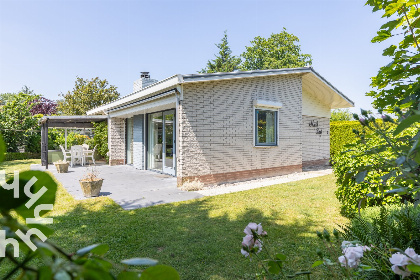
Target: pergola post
44, 144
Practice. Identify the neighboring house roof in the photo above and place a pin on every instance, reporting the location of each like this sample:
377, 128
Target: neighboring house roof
311, 82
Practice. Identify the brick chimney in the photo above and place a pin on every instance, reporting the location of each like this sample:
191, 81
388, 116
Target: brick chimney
143, 82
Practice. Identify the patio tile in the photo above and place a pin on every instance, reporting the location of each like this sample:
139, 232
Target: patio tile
129, 187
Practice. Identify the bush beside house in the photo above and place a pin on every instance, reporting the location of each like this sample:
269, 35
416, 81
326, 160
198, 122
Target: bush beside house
341, 134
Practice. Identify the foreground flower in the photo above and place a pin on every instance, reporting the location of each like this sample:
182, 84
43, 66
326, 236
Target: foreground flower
250, 245
400, 261
252, 228
397, 270
414, 258
351, 254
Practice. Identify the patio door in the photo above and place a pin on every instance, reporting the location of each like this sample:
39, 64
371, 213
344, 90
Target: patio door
168, 142
161, 142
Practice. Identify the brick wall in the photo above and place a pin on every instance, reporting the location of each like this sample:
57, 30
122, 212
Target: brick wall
138, 142
315, 129
316, 140
116, 141
217, 128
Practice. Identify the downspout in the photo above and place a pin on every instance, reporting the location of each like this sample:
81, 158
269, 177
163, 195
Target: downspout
179, 94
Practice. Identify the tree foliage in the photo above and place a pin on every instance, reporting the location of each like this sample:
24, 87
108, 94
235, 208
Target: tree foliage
86, 95
278, 51
17, 123
44, 106
5, 97
224, 61
397, 83
341, 115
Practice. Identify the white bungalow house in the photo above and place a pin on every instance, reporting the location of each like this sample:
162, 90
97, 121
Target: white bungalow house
224, 126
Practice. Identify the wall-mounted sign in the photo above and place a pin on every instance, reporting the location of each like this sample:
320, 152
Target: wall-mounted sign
313, 123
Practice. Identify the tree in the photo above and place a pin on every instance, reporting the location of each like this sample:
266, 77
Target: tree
17, 124
5, 97
225, 61
86, 95
341, 115
43, 106
278, 51
398, 83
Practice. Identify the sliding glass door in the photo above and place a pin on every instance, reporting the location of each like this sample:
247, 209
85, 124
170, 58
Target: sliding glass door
161, 142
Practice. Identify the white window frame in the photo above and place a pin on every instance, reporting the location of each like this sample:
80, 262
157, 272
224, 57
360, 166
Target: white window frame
265, 106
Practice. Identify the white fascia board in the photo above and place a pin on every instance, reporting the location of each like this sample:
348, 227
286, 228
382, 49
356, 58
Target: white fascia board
267, 104
146, 92
195, 78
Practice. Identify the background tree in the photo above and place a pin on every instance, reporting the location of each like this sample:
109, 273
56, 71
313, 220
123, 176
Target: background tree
341, 115
17, 124
43, 106
397, 83
278, 51
86, 95
225, 61
5, 97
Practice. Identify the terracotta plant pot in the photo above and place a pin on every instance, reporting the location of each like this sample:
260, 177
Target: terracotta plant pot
91, 188
62, 167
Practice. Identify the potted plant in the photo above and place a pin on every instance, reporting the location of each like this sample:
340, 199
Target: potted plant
91, 183
62, 166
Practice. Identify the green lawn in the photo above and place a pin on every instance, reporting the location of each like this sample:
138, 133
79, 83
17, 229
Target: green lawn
202, 238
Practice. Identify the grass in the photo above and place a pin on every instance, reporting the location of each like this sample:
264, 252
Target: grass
22, 165
202, 238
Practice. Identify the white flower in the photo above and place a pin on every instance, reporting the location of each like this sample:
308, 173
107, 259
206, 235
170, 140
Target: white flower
351, 254
249, 244
342, 260
253, 227
414, 258
245, 253
345, 244
365, 248
399, 259
397, 270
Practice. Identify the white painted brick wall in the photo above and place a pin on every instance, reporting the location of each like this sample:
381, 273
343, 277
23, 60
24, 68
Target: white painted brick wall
116, 136
216, 125
315, 146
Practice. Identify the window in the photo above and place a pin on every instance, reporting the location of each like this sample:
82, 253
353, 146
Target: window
265, 127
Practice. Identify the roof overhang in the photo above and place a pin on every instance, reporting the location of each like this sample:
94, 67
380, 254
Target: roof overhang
72, 121
311, 80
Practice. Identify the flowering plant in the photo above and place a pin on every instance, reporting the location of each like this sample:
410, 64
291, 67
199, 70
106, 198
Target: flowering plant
253, 245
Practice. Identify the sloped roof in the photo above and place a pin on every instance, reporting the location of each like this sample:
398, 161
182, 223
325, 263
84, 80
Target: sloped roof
311, 81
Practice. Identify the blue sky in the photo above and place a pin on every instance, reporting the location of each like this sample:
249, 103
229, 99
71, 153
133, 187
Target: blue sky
46, 44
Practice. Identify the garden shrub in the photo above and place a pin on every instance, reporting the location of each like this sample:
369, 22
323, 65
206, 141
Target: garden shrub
355, 183
21, 156
392, 226
100, 138
341, 133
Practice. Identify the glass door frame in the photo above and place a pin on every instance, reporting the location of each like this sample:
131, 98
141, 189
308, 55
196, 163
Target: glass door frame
168, 170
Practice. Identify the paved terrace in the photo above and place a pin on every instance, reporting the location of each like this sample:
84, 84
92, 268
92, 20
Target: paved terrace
132, 188
129, 187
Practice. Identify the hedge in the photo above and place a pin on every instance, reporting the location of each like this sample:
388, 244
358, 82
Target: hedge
21, 156
341, 133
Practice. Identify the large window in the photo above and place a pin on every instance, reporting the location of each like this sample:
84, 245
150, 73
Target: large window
265, 127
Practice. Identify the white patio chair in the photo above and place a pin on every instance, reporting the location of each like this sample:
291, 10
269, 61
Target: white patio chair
157, 151
66, 154
77, 155
90, 154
